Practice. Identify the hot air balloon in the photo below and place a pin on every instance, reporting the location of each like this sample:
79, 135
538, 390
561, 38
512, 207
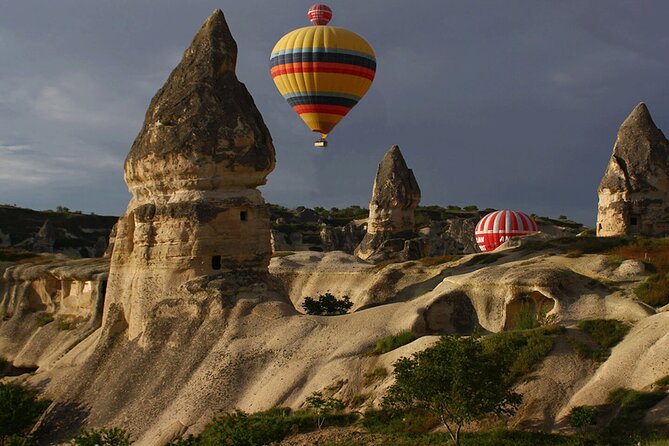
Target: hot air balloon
499, 226
322, 71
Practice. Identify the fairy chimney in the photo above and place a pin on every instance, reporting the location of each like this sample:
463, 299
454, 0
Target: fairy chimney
395, 196
634, 193
193, 173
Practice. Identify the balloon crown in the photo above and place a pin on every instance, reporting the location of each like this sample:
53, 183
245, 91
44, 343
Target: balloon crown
320, 14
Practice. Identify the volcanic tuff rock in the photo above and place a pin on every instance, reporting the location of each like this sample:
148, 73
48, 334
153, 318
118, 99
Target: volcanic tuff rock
634, 193
45, 238
193, 172
395, 196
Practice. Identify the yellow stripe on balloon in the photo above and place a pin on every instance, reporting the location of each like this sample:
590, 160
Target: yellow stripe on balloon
333, 82
323, 37
323, 122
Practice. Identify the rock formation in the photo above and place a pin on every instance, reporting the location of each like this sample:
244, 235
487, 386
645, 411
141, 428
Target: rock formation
395, 196
45, 238
634, 193
193, 172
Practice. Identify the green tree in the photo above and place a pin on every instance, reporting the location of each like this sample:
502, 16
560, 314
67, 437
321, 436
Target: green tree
19, 409
102, 437
323, 406
456, 380
327, 305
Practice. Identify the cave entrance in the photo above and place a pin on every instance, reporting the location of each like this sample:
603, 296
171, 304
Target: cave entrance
527, 311
453, 313
216, 262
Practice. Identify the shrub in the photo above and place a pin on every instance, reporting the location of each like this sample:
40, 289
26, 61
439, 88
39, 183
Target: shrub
241, 429
633, 405
580, 347
456, 380
65, 324
654, 291
43, 319
583, 416
392, 342
606, 333
327, 305
323, 406
19, 409
102, 437
521, 350
526, 319
18, 440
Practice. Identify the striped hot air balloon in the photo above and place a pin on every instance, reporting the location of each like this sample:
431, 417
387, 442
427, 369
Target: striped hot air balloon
499, 226
322, 71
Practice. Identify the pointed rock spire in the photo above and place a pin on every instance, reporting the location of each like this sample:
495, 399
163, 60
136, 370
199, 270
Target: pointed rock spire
395, 185
634, 192
203, 115
395, 196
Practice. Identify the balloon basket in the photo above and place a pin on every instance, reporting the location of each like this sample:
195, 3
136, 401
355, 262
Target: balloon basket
321, 143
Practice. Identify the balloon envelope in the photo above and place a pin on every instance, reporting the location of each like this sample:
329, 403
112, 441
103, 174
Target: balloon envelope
499, 226
322, 71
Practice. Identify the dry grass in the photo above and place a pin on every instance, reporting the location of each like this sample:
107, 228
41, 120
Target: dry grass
655, 254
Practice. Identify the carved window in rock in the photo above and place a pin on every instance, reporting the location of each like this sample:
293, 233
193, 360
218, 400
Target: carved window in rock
216, 262
634, 221
243, 216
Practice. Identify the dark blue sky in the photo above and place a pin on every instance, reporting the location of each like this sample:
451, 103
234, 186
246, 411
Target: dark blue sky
511, 104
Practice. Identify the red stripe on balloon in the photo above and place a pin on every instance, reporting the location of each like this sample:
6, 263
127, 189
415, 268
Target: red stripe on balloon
321, 108
322, 67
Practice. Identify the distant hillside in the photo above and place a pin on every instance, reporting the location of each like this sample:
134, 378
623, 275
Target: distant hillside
72, 233
318, 229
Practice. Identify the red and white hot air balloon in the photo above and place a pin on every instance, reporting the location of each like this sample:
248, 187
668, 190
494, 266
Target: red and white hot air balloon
499, 226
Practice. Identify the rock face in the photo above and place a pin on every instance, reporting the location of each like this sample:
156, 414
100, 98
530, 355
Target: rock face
391, 211
193, 172
45, 238
634, 193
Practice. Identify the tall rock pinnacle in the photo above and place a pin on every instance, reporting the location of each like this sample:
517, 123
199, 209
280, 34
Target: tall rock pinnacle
395, 196
634, 192
192, 172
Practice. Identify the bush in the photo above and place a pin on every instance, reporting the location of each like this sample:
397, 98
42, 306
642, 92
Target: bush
327, 305
19, 409
43, 319
583, 416
102, 437
522, 350
65, 325
606, 333
633, 405
323, 406
18, 440
241, 429
392, 342
654, 291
